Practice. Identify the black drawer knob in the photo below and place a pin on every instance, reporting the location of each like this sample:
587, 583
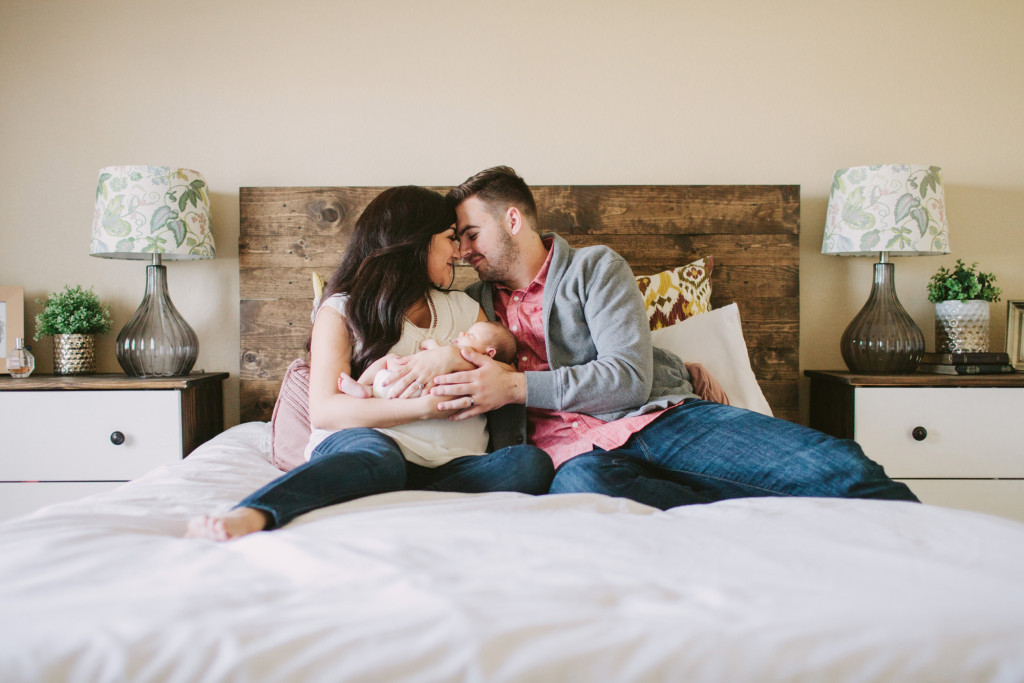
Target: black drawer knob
919, 433
117, 438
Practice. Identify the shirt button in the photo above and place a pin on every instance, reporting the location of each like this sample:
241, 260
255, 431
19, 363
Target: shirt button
575, 425
514, 328
523, 359
515, 298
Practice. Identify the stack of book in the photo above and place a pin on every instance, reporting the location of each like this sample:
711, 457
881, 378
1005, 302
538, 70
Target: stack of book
966, 363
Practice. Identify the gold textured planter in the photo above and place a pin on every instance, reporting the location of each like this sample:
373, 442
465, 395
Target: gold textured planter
74, 354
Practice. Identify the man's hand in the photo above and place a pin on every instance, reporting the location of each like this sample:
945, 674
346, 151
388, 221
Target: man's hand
491, 385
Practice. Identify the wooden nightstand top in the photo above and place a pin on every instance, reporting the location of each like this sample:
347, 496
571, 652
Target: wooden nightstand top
917, 379
107, 382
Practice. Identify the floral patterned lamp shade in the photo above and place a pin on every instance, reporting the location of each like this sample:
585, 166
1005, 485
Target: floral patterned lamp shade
889, 209
153, 213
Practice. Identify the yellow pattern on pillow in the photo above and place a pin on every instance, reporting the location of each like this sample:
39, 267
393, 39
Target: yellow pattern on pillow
677, 294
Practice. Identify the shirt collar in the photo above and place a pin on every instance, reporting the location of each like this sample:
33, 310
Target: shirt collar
542, 274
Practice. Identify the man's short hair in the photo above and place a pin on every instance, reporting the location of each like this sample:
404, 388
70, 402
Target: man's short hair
497, 185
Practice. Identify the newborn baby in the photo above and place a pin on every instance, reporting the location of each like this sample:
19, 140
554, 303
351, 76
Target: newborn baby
487, 338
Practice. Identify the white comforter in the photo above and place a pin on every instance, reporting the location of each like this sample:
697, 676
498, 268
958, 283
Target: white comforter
504, 587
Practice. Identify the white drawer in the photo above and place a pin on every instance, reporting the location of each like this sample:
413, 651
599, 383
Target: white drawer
972, 433
66, 435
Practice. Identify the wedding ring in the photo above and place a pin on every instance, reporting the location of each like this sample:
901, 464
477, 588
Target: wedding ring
471, 402
419, 386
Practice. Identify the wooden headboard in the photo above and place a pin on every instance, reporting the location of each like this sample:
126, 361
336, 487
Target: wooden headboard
752, 231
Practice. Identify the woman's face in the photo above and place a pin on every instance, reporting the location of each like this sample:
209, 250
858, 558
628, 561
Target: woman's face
441, 258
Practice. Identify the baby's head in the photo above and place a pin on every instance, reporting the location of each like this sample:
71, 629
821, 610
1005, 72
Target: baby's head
491, 339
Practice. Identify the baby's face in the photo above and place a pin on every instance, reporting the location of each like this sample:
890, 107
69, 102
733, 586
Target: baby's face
478, 338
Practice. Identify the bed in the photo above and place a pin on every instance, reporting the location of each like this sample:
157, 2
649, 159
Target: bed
417, 586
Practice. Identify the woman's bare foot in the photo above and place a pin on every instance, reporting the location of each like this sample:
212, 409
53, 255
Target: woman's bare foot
233, 524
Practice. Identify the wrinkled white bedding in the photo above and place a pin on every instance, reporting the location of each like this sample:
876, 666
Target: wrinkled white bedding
503, 587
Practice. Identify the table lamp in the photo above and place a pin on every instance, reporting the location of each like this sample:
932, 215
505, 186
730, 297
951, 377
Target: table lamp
891, 209
153, 213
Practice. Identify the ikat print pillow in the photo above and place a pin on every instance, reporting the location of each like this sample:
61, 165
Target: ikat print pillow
674, 295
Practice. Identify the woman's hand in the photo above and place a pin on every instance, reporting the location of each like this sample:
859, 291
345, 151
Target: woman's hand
430, 410
415, 373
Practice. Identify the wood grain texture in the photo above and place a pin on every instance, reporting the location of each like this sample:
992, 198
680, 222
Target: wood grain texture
107, 381
202, 414
752, 231
917, 379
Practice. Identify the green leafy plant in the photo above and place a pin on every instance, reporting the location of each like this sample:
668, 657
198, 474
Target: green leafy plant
962, 283
72, 311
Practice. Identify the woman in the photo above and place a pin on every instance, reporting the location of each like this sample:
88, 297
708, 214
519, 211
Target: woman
385, 297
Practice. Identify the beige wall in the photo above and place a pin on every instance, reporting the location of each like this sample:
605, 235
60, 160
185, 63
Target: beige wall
321, 92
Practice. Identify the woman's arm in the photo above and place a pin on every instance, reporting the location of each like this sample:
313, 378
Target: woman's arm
330, 356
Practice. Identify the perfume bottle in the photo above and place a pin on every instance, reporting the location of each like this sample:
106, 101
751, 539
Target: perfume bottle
21, 362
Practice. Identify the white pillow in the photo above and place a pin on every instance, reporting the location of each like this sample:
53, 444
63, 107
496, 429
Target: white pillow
715, 340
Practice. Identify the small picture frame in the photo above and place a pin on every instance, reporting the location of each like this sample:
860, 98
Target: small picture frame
1015, 333
12, 320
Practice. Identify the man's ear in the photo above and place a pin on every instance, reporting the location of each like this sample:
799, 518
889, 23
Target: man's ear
515, 220
490, 351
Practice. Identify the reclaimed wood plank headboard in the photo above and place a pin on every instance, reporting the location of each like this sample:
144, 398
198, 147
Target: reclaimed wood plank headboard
752, 231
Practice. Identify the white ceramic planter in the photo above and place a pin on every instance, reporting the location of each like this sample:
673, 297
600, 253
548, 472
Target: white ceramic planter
961, 326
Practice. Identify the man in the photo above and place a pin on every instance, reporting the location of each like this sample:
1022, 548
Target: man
616, 415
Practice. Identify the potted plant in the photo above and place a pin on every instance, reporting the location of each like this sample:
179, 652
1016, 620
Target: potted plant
961, 297
72, 317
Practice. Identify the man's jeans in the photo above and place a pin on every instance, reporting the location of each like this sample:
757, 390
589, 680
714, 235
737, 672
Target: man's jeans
353, 463
701, 452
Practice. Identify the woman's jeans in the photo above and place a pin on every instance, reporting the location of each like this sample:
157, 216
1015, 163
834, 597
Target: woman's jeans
701, 452
353, 463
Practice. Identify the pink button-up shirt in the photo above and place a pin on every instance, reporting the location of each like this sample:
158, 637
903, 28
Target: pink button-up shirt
562, 435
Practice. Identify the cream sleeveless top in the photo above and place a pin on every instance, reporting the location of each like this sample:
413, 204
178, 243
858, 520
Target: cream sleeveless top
429, 443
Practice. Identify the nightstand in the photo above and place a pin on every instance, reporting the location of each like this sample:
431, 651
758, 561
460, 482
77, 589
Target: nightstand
955, 441
68, 436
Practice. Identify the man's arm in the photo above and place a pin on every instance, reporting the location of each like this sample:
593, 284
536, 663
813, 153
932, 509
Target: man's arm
599, 341
602, 351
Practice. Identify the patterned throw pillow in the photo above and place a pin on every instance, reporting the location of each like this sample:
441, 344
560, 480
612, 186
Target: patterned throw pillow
674, 295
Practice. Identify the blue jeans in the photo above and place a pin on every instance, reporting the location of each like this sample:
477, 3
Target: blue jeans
353, 463
701, 452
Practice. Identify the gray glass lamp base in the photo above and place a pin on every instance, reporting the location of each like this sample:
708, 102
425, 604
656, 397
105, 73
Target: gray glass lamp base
883, 338
156, 341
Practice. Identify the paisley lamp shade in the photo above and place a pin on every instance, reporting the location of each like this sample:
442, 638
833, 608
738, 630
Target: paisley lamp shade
897, 209
146, 210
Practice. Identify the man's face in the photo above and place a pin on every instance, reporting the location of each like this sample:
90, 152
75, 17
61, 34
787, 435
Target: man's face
484, 241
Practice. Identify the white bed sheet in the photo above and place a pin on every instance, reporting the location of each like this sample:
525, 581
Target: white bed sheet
416, 586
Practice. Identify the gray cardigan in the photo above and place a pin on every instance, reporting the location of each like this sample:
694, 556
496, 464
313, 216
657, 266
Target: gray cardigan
598, 342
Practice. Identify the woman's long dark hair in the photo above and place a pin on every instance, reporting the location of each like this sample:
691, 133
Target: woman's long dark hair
384, 268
